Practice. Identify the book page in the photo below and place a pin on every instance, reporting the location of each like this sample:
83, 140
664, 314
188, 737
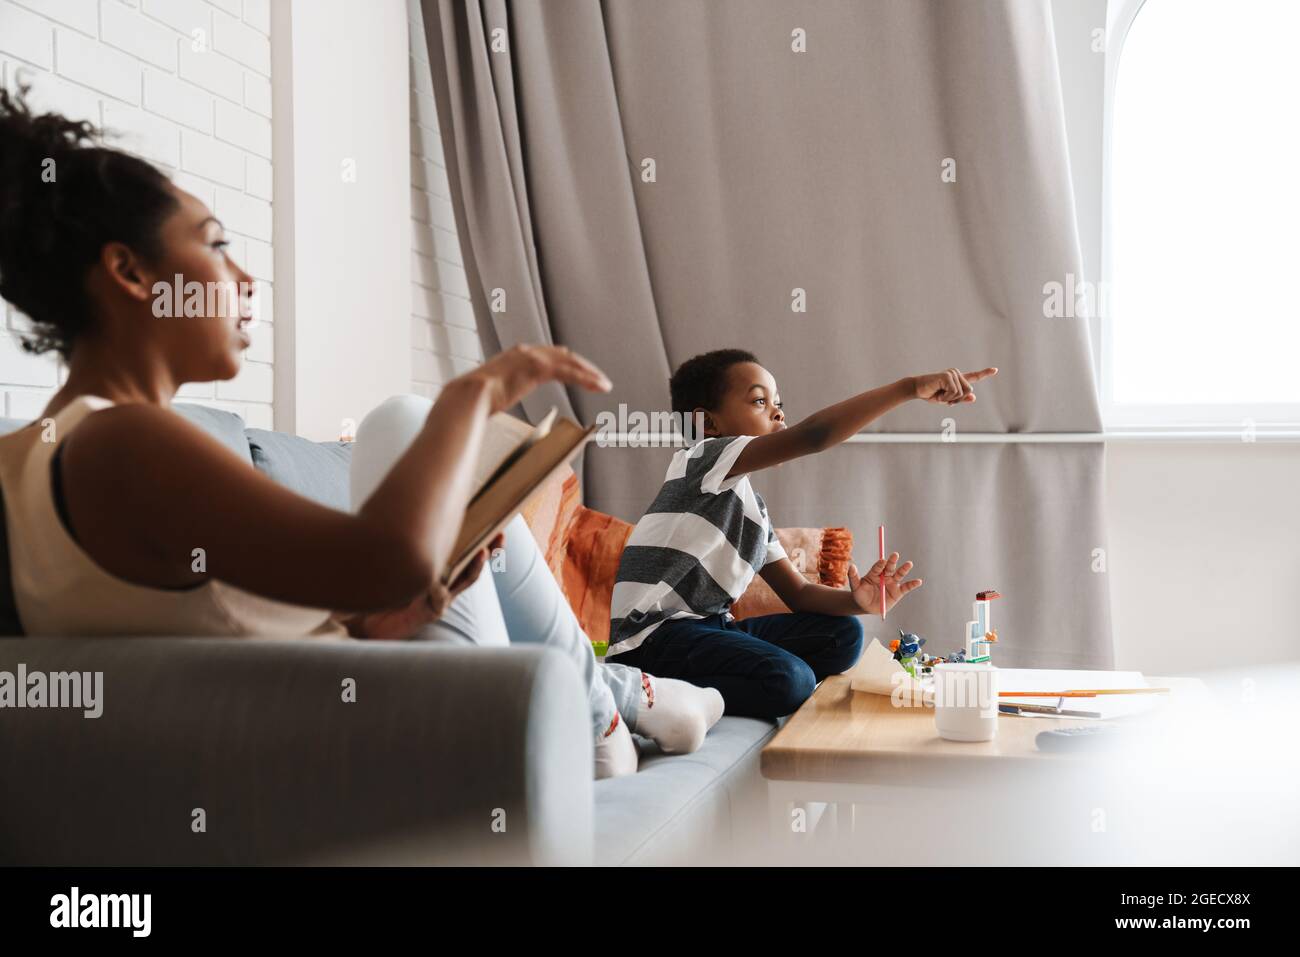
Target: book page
532, 464
505, 439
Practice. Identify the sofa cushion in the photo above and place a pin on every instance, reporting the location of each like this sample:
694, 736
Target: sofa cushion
822, 554
595, 545
549, 514
226, 427
316, 470
685, 808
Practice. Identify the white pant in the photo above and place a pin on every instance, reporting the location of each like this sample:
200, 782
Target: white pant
516, 598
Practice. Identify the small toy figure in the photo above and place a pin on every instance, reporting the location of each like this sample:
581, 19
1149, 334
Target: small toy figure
906, 647
980, 639
929, 661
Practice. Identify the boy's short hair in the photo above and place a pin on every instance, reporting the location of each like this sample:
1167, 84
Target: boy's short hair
699, 382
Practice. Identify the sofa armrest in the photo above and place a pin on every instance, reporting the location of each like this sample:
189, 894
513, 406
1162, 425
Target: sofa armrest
448, 754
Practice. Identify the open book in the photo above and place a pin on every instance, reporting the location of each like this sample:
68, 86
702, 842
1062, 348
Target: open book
515, 459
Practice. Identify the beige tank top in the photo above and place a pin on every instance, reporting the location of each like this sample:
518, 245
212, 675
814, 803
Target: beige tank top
61, 591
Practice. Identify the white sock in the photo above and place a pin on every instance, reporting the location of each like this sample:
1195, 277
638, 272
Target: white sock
676, 714
616, 753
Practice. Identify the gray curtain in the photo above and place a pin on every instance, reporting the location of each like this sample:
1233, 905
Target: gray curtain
777, 170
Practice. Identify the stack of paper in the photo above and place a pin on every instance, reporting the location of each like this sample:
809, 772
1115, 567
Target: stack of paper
878, 673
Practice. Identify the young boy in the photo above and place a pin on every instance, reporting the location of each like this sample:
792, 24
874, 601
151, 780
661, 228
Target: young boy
707, 532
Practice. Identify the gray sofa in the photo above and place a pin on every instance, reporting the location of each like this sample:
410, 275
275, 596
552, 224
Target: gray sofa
221, 751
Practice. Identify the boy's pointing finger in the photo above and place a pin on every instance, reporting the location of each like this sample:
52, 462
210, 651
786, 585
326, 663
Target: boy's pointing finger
982, 374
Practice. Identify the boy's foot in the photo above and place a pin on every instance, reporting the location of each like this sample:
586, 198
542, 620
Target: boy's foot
677, 714
616, 753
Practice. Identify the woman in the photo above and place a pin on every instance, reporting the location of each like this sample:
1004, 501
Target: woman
125, 518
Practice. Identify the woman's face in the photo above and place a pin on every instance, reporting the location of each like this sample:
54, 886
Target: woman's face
201, 300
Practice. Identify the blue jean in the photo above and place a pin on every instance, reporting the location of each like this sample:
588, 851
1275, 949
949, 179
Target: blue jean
765, 667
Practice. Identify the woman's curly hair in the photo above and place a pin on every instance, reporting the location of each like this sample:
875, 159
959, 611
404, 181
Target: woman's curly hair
63, 196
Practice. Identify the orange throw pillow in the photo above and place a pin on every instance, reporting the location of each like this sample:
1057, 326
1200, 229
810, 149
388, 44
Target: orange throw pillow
549, 514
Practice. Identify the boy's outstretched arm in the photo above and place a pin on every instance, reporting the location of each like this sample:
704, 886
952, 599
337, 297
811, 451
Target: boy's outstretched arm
835, 423
862, 597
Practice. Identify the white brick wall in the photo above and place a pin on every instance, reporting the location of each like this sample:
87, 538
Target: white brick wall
444, 340
187, 84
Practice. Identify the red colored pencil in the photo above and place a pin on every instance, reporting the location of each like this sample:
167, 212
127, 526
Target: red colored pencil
882, 573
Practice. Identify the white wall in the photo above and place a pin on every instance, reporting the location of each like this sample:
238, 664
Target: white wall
372, 282
1204, 537
342, 183
196, 104
444, 340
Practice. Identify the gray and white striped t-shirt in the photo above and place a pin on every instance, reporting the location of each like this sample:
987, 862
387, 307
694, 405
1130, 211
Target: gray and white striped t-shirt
697, 547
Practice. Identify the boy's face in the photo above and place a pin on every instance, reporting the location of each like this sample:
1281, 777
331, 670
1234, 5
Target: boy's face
750, 404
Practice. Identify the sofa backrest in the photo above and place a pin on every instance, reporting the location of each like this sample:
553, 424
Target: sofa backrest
317, 470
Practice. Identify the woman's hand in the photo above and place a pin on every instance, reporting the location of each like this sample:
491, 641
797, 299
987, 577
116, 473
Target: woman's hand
950, 386
513, 374
866, 590
401, 623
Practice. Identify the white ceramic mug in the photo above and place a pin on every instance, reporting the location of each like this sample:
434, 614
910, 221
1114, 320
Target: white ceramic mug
966, 701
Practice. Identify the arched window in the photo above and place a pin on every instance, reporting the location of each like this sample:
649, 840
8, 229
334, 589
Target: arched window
1201, 302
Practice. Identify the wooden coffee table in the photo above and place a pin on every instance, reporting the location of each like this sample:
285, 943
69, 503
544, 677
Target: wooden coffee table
872, 763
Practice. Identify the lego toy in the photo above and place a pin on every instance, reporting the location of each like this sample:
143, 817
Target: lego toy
980, 638
906, 648
980, 635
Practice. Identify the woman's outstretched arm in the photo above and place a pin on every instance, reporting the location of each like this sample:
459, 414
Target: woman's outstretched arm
145, 490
